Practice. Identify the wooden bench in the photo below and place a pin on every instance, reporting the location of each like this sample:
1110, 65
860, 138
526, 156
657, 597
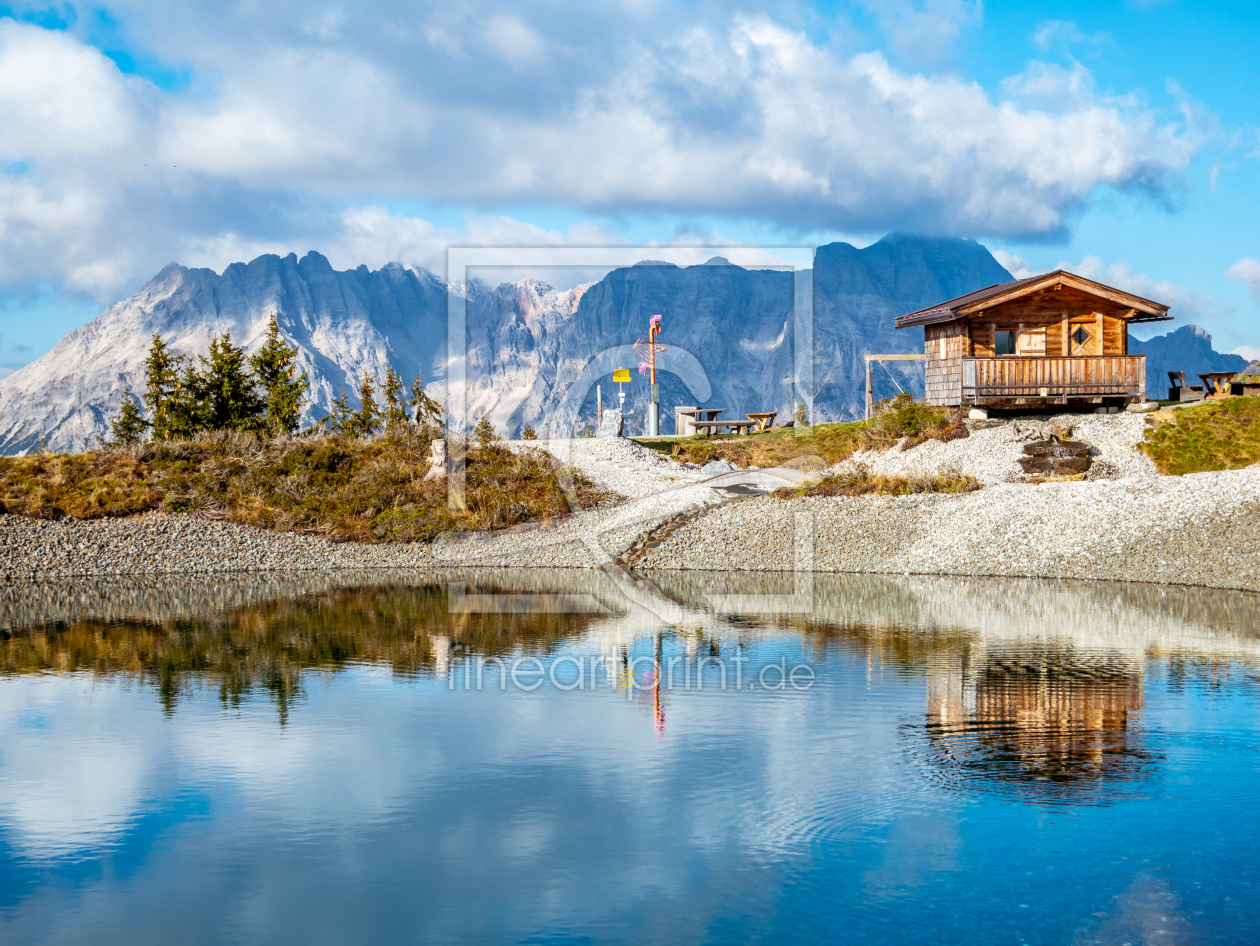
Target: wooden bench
764, 421
1180, 391
708, 427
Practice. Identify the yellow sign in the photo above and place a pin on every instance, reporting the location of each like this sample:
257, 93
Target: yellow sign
622, 374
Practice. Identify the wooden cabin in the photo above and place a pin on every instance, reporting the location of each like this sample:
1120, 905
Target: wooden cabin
1057, 339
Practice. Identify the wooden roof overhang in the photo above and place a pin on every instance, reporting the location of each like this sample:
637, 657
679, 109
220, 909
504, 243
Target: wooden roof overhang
1139, 309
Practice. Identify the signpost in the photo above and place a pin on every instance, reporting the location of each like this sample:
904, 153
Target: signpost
621, 376
647, 349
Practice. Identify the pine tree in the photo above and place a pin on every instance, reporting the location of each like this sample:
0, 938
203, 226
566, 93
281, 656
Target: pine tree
368, 421
274, 367
341, 420
129, 425
802, 416
528, 432
428, 412
186, 408
484, 432
161, 379
395, 399
231, 401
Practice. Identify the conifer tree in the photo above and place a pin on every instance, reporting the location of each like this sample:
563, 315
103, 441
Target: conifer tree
395, 398
484, 432
274, 367
341, 420
161, 379
231, 401
128, 426
368, 421
428, 412
528, 432
186, 409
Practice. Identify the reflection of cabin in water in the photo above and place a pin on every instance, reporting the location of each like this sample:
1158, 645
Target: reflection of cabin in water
1047, 340
1050, 722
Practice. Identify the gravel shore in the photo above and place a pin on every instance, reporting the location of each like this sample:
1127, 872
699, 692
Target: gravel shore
1195, 530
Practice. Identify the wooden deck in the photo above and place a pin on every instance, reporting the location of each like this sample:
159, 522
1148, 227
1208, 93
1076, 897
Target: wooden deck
1057, 377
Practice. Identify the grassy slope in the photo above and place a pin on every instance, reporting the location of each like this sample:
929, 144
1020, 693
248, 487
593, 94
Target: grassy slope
831, 443
365, 490
1218, 435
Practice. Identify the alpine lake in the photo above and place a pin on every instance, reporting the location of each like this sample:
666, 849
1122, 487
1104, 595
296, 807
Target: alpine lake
592, 757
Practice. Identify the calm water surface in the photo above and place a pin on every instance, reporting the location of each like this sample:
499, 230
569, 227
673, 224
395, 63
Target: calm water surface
553, 757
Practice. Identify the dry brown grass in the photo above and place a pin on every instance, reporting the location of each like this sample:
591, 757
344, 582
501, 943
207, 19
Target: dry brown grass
362, 490
861, 482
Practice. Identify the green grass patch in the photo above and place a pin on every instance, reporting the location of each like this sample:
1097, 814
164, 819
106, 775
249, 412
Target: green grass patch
367, 490
897, 420
1217, 435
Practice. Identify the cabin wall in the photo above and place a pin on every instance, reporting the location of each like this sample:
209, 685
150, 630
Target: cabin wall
945, 344
1108, 335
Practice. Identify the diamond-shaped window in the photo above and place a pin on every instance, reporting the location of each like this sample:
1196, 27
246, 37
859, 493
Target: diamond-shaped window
1080, 336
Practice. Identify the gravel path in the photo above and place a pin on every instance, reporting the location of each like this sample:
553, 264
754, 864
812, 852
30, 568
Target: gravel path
990, 454
1196, 530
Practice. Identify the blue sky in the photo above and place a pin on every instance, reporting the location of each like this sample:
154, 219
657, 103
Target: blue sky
1118, 139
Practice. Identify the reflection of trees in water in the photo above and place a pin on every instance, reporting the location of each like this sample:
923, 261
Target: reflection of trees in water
269, 646
1032, 719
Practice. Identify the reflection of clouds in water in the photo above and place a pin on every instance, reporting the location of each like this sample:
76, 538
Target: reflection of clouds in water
78, 779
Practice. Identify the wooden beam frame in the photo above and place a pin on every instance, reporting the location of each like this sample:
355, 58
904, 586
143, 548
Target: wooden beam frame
869, 359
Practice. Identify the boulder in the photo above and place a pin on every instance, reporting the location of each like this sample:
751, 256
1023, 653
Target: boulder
716, 467
613, 424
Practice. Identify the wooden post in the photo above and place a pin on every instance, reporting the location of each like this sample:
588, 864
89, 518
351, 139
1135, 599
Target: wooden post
868, 387
599, 404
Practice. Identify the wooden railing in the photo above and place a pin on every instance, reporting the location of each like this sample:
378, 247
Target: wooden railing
1054, 376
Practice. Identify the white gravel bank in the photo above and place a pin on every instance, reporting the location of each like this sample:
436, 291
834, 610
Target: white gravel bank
1198, 530
990, 454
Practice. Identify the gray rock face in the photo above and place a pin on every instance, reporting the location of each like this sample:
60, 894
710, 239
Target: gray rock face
534, 354
613, 424
1187, 349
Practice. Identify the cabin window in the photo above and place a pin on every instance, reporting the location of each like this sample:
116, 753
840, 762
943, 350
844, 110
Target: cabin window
1003, 342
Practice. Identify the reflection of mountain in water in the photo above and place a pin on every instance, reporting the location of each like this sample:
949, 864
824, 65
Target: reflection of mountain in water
1047, 724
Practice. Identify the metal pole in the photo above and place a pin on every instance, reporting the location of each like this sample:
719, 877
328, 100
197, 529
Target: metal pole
654, 408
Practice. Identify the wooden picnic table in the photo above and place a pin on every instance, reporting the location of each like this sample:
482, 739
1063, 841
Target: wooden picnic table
695, 413
1214, 381
764, 421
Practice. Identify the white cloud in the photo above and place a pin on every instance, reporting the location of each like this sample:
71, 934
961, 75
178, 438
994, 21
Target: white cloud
1017, 266
1247, 271
1185, 304
295, 116
1250, 352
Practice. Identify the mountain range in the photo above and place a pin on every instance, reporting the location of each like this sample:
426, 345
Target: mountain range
740, 339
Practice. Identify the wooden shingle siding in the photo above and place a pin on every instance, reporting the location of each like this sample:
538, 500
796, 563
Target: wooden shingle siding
943, 375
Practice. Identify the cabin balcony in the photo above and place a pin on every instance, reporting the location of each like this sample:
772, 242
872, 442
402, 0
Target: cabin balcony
1024, 380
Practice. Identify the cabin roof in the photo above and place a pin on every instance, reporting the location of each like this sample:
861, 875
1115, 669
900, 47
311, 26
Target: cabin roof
1144, 310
